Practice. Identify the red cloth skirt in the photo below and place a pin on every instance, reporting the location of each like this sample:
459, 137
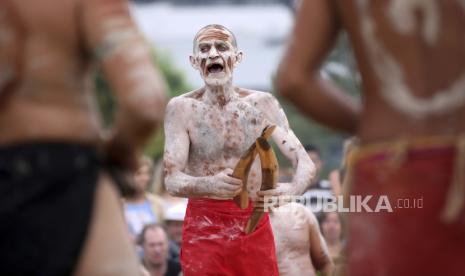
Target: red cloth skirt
214, 242
407, 241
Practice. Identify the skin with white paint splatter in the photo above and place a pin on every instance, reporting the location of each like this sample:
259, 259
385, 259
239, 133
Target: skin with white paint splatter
120, 39
299, 243
207, 130
423, 63
394, 88
410, 56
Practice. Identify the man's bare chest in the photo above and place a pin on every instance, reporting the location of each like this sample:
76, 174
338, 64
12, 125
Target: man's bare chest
228, 130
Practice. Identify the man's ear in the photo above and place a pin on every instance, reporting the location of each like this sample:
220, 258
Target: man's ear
194, 63
239, 55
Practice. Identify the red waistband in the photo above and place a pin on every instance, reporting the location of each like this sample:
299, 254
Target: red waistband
227, 206
409, 154
449, 150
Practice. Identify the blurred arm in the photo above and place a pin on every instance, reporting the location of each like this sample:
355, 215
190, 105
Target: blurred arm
298, 78
113, 38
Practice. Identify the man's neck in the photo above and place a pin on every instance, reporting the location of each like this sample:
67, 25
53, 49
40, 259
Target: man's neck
220, 95
157, 269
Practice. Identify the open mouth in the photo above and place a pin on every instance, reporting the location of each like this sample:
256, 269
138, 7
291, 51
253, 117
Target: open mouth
215, 68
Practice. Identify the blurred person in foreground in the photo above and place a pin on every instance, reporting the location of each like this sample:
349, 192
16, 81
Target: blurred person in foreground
410, 125
207, 130
59, 210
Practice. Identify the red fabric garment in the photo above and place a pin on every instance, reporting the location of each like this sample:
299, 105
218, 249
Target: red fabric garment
408, 241
214, 242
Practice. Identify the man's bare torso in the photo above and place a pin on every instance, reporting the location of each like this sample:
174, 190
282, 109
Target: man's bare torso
291, 228
408, 52
48, 98
208, 130
219, 135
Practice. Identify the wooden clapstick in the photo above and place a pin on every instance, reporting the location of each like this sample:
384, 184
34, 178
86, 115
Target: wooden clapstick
242, 168
269, 165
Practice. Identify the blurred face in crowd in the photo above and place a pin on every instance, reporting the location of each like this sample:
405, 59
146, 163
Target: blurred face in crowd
215, 55
142, 178
331, 227
174, 229
155, 247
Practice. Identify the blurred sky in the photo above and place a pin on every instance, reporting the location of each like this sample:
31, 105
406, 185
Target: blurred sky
261, 33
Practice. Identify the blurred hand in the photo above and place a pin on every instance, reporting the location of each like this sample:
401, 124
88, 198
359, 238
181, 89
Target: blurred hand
120, 161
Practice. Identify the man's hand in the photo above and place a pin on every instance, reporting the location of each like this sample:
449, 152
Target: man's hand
223, 185
282, 189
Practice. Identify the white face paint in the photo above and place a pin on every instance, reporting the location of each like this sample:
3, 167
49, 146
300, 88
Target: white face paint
394, 88
215, 57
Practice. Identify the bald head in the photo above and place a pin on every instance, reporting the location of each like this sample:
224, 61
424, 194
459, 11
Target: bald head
212, 32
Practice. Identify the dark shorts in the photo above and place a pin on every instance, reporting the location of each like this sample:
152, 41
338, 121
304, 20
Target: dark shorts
46, 200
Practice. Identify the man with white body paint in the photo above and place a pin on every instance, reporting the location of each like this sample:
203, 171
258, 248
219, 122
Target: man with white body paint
412, 146
207, 131
59, 212
300, 247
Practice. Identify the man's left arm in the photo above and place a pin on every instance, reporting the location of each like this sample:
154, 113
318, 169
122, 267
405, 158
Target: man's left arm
290, 146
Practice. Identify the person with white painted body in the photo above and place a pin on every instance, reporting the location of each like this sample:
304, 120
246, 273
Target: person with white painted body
60, 213
300, 247
412, 145
207, 131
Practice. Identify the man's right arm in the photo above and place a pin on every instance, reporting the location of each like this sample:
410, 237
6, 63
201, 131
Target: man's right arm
115, 42
298, 78
176, 156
